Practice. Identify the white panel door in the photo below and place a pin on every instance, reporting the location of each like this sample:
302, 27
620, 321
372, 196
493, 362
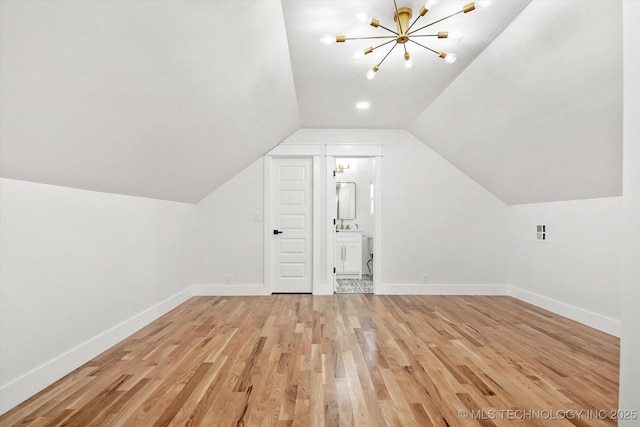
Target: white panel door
292, 210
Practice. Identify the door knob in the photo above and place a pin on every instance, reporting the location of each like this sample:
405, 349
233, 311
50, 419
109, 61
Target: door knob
277, 232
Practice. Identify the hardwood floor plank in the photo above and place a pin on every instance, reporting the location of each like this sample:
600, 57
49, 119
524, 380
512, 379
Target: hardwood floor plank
342, 360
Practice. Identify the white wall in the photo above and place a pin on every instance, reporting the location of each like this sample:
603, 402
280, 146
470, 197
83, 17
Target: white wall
74, 265
228, 237
630, 339
576, 272
436, 220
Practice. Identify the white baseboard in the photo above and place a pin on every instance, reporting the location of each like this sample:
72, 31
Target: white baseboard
16, 391
453, 289
597, 321
229, 290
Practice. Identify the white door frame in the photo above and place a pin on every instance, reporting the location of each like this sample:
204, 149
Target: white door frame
323, 160
374, 152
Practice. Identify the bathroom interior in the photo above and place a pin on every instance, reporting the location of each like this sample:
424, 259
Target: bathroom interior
355, 225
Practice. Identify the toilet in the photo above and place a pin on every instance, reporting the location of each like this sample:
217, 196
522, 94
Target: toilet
370, 245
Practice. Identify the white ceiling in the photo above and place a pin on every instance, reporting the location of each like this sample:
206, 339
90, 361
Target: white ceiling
163, 99
170, 99
329, 82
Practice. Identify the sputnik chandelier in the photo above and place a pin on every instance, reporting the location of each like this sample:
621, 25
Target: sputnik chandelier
403, 34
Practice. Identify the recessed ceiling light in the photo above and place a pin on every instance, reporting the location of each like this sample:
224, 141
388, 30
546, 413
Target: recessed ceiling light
363, 105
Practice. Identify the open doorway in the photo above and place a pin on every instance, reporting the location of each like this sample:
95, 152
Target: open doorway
355, 224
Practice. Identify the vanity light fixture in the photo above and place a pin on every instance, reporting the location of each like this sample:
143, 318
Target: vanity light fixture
341, 168
403, 34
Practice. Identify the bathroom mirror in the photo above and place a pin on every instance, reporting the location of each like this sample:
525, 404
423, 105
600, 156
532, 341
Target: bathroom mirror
346, 200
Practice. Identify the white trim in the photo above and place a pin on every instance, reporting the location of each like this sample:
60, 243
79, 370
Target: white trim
229, 290
597, 321
377, 224
303, 150
317, 228
330, 209
323, 289
349, 150
266, 215
17, 390
453, 289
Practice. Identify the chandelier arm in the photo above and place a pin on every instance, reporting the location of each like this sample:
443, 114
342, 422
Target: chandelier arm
391, 31
425, 35
383, 44
385, 57
435, 22
368, 38
398, 17
428, 48
414, 21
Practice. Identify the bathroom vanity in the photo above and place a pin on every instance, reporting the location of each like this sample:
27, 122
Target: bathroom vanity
348, 254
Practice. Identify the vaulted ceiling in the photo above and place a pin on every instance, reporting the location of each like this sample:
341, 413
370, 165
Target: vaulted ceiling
329, 82
171, 99
538, 116
162, 99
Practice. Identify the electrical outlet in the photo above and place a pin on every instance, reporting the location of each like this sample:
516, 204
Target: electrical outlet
229, 279
425, 279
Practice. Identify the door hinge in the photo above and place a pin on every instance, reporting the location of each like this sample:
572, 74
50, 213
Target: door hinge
334, 173
334, 221
334, 270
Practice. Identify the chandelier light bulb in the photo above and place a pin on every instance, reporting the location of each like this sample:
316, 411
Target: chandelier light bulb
408, 62
427, 7
430, 3
456, 35
372, 72
327, 39
483, 3
363, 17
450, 58
358, 54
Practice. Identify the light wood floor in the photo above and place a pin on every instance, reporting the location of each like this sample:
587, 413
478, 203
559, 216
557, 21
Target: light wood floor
352, 360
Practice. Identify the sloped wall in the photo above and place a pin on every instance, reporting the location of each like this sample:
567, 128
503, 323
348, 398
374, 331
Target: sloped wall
537, 116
